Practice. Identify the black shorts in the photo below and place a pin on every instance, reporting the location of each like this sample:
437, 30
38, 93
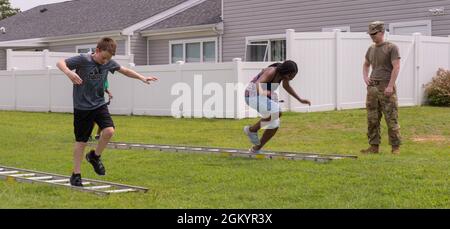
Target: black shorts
83, 122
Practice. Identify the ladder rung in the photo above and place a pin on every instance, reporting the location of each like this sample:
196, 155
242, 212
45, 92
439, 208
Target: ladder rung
136, 145
214, 150
40, 178
58, 181
231, 151
121, 190
23, 175
98, 187
8, 172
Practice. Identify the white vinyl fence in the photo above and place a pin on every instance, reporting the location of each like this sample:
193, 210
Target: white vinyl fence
330, 75
27, 60
51, 90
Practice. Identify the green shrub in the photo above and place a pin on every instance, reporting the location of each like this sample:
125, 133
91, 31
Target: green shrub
438, 90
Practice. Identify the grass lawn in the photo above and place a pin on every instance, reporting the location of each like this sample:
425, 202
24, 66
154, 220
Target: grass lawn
418, 178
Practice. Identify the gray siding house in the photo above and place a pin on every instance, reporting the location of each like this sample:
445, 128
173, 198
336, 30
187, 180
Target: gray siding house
167, 31
253, 25
75, 26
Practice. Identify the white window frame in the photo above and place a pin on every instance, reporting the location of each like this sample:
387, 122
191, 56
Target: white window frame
91, 47
267, 38
427, 23
198, 40
342, 28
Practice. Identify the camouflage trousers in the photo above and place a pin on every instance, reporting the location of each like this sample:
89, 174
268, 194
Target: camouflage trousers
378, 104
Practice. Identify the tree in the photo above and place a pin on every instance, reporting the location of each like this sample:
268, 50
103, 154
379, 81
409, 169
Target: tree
6, 10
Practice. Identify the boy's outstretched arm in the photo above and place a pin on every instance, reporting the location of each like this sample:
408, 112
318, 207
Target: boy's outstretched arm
74, 77
133, 74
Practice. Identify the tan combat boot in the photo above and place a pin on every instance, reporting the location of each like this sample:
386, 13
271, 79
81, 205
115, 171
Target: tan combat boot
371, 149
396, 150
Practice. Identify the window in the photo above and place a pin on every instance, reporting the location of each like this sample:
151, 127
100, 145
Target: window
193, 51
86, 48
209, 51
269, 48
177, 53
408, 28
278, 50
257, 51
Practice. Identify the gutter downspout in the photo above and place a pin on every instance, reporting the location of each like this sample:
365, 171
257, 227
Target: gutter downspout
128, 49
218, 29
128, 45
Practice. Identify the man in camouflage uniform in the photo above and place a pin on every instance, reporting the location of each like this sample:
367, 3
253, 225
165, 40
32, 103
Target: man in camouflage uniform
384, 58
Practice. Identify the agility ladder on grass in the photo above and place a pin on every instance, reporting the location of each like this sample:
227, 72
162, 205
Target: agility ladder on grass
232, 152
89, 185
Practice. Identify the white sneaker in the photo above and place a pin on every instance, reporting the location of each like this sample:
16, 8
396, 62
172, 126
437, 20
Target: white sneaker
253, 136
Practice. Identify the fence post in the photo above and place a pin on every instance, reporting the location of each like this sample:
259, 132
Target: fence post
290, 39
49, 88
133, 95
417, 65
338, 72
9, 53
179, 73
239, 107
46, 58
13, 71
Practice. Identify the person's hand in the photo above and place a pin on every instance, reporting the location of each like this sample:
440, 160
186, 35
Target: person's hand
75, 78
367, 80
389, 91
305, 101
149, 79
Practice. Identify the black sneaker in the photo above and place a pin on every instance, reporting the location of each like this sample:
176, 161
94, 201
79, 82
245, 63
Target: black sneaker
75, 180
96, 162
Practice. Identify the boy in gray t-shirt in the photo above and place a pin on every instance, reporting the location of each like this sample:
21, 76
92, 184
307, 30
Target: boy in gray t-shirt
91, 71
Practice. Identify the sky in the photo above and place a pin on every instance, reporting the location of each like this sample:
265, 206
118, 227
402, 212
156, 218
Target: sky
28, 4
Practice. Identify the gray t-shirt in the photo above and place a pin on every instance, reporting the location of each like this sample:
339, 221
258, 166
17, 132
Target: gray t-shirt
90, 94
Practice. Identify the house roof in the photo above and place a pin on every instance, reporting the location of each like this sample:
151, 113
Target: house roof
81, 17
208, 12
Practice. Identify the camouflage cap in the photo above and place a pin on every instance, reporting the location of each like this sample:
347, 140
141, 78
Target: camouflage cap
376, 26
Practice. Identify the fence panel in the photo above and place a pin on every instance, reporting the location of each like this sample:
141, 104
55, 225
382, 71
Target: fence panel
61, 92
7, 90
434, 53
315, 54
353, 50
32, 90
